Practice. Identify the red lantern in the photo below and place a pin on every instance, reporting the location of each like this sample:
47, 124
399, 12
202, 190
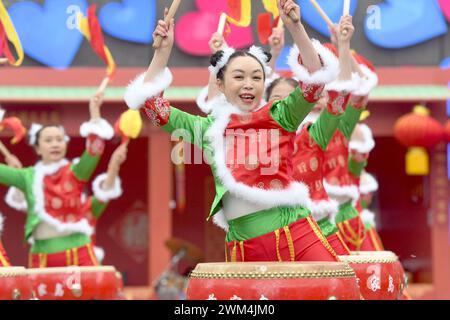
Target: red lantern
417, 130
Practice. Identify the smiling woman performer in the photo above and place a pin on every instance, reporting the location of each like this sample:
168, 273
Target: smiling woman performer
249, 143
55, 225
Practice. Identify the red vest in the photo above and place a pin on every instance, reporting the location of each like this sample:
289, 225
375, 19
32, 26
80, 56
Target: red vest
62, 194
258, 150
308, 161
336, 162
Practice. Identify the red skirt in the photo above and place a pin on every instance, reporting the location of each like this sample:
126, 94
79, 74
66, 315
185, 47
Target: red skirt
81, 256
299, 241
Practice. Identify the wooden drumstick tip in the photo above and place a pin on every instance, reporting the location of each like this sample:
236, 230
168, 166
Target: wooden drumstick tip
293, 16
217, 43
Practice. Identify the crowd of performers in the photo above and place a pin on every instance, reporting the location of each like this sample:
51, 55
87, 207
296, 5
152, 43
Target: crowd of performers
304, 198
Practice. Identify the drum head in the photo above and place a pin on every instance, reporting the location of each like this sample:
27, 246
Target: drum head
272, 270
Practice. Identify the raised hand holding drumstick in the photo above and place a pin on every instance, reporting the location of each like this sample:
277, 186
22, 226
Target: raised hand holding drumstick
168, 17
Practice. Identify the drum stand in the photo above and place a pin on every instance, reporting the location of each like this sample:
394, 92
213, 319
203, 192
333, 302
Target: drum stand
170, 284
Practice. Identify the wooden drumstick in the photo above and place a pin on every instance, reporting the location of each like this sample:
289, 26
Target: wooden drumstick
103, 85
221, 28
293, 16
279, 25
346, 12
322, 13
172, 10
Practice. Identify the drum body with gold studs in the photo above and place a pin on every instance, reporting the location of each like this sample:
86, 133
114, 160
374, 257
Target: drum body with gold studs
76, 283
273, 281
14, 284
380, 274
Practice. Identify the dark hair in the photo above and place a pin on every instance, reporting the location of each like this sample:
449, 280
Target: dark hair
277, 81
215, 58
38, 133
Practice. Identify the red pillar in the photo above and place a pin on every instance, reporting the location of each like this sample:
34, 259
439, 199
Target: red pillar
439, 229
160, 216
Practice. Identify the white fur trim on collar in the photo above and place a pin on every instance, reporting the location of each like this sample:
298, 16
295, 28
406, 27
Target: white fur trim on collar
202, 100
106, 195
368, 83
227, 53
10, 199
99, 127
367, 183
220, 220
296, 194
323, 208
40, 171
99, 253
138, 92
326, 74
345, 85
2, 220
349, 191
368, 217
368, 142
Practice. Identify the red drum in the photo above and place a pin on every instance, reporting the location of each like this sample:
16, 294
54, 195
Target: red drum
273, 281
14, 284
76, 283
380, 274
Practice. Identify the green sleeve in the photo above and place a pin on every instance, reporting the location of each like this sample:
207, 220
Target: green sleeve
350, 120
98, 207
291, 111
12, 177
355, 167
187, 126
84, 169
324, 128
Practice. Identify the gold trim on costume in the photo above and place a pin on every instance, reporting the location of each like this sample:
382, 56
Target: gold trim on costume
321, 237
75, 256
233, 252
277, 240
3, 261
342, 241
241, 246
42, 260
91, 254
290, 242
226, 252
68, 258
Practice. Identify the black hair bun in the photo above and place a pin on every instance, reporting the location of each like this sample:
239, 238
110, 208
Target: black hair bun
268, 55
215, 58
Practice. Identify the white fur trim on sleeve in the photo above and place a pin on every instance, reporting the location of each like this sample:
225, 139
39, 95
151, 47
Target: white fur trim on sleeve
2, 219
349, 191
368, 217
367, 183
220, 221
326, 74
138, 92
202, 100
344, 85
367, 144
12, 201
106, 195
368, 83
99, 127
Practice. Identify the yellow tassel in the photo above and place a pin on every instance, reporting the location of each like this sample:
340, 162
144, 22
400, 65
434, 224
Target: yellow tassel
131, 123
417, 162
233, 253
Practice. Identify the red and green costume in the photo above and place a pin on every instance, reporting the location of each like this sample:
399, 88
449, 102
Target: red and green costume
309, 153
53, 194
284, 231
